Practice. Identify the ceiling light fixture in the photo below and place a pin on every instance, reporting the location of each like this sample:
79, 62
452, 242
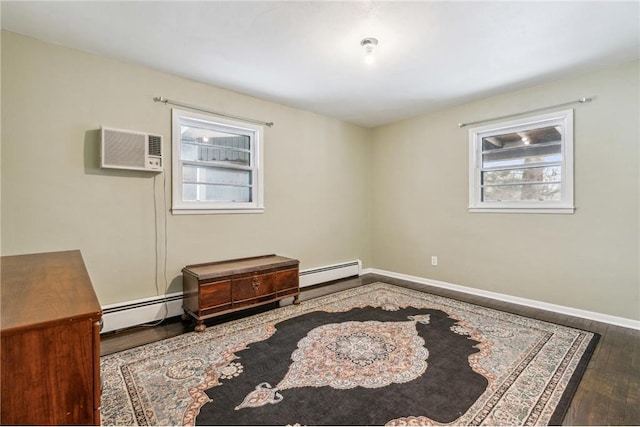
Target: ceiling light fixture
369, 45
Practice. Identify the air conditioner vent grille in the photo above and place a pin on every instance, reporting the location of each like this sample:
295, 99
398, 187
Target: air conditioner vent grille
125, 149
155, 145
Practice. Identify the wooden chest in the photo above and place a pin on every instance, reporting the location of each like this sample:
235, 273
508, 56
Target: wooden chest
50, 341
217, 288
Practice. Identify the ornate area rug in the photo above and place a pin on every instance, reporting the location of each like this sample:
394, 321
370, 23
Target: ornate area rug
374, 355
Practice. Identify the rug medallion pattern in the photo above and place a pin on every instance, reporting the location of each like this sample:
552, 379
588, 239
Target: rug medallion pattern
377, 354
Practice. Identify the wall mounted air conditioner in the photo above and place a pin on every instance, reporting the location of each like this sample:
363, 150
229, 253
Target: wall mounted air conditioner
124, 149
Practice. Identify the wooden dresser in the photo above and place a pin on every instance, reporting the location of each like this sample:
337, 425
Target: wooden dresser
217, 288
50, 336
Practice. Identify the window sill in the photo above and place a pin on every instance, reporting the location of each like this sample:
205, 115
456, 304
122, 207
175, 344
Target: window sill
175, 211
569, 210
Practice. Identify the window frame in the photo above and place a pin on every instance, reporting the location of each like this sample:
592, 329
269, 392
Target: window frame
253, 131
563, 206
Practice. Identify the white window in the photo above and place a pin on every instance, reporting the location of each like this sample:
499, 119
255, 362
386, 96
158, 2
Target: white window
523, 166
217, 165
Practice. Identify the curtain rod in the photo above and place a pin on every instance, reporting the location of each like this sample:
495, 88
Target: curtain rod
204, 110
577, 101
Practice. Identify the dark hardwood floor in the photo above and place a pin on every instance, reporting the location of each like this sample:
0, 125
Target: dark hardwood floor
609, 393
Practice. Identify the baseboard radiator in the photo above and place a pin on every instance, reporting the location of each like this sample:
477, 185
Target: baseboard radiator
315, 276
148, 310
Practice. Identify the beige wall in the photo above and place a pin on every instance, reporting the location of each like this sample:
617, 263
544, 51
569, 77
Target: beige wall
393, 196
55, 197
588, 260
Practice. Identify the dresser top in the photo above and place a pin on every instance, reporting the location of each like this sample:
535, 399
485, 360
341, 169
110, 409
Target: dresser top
216, 269
46, 288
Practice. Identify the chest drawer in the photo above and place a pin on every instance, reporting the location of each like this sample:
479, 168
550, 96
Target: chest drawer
215, 295
287, 280
252, 286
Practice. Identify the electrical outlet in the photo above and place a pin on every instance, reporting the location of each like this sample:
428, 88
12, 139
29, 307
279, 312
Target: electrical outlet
434, 260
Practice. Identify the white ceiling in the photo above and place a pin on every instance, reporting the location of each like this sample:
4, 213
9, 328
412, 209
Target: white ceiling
307, 54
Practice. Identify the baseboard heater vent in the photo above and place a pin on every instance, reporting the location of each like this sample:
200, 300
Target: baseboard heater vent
132, 313
328, 273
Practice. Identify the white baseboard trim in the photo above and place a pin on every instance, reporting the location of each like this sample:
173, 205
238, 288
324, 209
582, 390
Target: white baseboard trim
570, 311
148, 310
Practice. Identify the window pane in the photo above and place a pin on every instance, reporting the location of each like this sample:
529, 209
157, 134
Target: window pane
206, 145
514, 176
216, 175
527, 146
531, 192
522, 138
215, 193
223, 193
190, 192
519, 157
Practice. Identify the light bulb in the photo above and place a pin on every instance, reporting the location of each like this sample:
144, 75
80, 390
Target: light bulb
369, 58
